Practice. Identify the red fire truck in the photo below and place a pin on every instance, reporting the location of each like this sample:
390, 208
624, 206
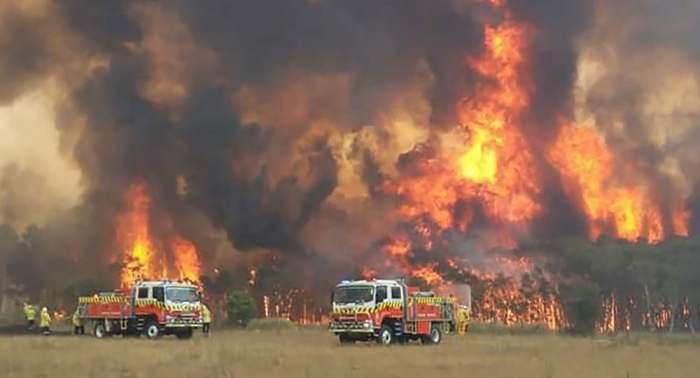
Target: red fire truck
389, 311
152, 308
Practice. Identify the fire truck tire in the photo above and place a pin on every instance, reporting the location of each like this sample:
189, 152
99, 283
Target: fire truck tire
185, 334
153, 330
100, 331
434, 338
386, 336
345, 339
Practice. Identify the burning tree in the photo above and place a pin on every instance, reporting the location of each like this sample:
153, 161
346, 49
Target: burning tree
145, 257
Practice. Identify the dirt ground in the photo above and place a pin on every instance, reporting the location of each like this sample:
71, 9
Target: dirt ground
316, 353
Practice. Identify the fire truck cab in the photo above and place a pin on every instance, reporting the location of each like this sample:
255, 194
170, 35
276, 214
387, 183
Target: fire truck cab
389, 311
152, 308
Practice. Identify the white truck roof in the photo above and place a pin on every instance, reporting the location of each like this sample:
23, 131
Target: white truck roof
369, 282
163, 283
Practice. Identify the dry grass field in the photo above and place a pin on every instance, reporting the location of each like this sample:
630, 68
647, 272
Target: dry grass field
315, 353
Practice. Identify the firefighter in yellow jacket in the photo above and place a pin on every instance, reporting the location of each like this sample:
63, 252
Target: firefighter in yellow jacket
30, 314
45, 321
78, 327
462, 320
206, 319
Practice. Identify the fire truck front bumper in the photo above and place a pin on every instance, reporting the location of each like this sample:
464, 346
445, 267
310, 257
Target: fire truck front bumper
352, 326
178, 322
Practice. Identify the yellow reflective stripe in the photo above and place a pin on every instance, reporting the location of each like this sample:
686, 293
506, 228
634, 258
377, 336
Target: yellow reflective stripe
434, 300
182, 307
353, 310
149, 302
102, 300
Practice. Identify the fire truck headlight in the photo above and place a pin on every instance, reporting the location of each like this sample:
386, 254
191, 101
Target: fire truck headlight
368, 324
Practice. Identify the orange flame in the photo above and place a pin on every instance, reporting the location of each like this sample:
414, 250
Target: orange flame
133, 235
680, 221
186, 259
497, 163
428, 274
143, 257
252, 276
586, 167
495, 167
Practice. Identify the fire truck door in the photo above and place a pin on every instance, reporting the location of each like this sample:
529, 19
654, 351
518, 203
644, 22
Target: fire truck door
141, 293
158, 293
397, 295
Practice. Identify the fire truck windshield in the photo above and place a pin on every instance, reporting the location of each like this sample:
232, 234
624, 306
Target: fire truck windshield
181, 294
353, 294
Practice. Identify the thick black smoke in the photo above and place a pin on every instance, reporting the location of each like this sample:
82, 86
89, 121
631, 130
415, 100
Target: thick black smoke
258, 43
379, 43
25, 53
640, 99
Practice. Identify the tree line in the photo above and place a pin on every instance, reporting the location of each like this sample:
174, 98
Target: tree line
602, 285
607, 285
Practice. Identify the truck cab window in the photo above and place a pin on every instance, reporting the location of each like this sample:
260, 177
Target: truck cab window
143, 293
381, 293
159, 294
395, 292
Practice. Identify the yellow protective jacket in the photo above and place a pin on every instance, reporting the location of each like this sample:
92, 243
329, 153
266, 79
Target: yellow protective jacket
29, 312
45, 319
206, 314
76, 320
462, 316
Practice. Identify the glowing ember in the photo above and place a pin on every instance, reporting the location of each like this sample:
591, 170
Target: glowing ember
252, 276
266, 306
59, 315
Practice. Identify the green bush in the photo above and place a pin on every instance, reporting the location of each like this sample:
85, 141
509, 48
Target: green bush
582, 305
240, 308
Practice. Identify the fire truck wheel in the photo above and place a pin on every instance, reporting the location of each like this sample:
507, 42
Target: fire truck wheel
100, 331
185, 334
434, 338
153, 330
386, 336
345, 339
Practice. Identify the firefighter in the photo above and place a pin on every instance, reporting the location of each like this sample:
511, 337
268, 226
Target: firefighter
45, 321
30, 314
78, 327
462, 320
206, 319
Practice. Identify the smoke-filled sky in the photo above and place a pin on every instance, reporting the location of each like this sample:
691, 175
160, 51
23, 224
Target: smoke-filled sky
269, 126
